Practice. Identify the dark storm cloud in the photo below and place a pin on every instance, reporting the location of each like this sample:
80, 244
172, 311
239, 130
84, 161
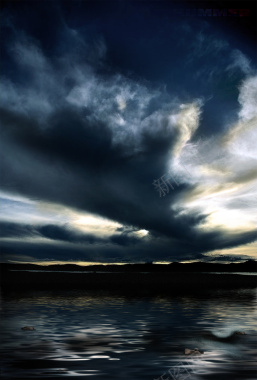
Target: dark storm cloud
226, 258
61, 233
15, 230
53, 232
65, 234
124, 240
79, 132
111, 253
71, 244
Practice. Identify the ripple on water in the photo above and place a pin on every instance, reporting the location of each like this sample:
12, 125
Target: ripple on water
104, 336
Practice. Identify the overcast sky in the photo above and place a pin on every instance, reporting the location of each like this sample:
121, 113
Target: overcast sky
128, 132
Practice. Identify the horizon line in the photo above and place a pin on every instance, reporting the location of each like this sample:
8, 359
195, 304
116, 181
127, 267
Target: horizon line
81, 263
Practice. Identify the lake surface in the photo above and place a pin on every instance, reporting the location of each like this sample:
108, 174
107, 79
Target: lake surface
104, 335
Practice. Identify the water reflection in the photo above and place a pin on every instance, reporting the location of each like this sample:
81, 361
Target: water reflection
106, 336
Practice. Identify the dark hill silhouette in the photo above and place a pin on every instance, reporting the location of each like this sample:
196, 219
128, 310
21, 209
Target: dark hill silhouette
247, 266
148, 278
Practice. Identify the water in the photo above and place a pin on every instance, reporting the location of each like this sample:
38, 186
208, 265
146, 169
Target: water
100, 335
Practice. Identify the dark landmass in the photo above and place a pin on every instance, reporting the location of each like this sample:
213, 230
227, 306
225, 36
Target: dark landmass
173, 278
247, 266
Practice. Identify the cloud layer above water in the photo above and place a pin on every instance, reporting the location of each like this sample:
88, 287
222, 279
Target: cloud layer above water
83, 139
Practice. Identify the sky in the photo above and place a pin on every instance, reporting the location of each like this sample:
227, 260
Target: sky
128, 131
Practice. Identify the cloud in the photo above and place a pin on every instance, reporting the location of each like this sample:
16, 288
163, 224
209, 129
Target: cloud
67, 233
124, 240
80, 133
15, 230
240, 61
52, 232
248, 98
223, 172
187, 122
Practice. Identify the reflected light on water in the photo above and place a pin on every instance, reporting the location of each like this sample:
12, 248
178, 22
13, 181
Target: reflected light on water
105, 336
